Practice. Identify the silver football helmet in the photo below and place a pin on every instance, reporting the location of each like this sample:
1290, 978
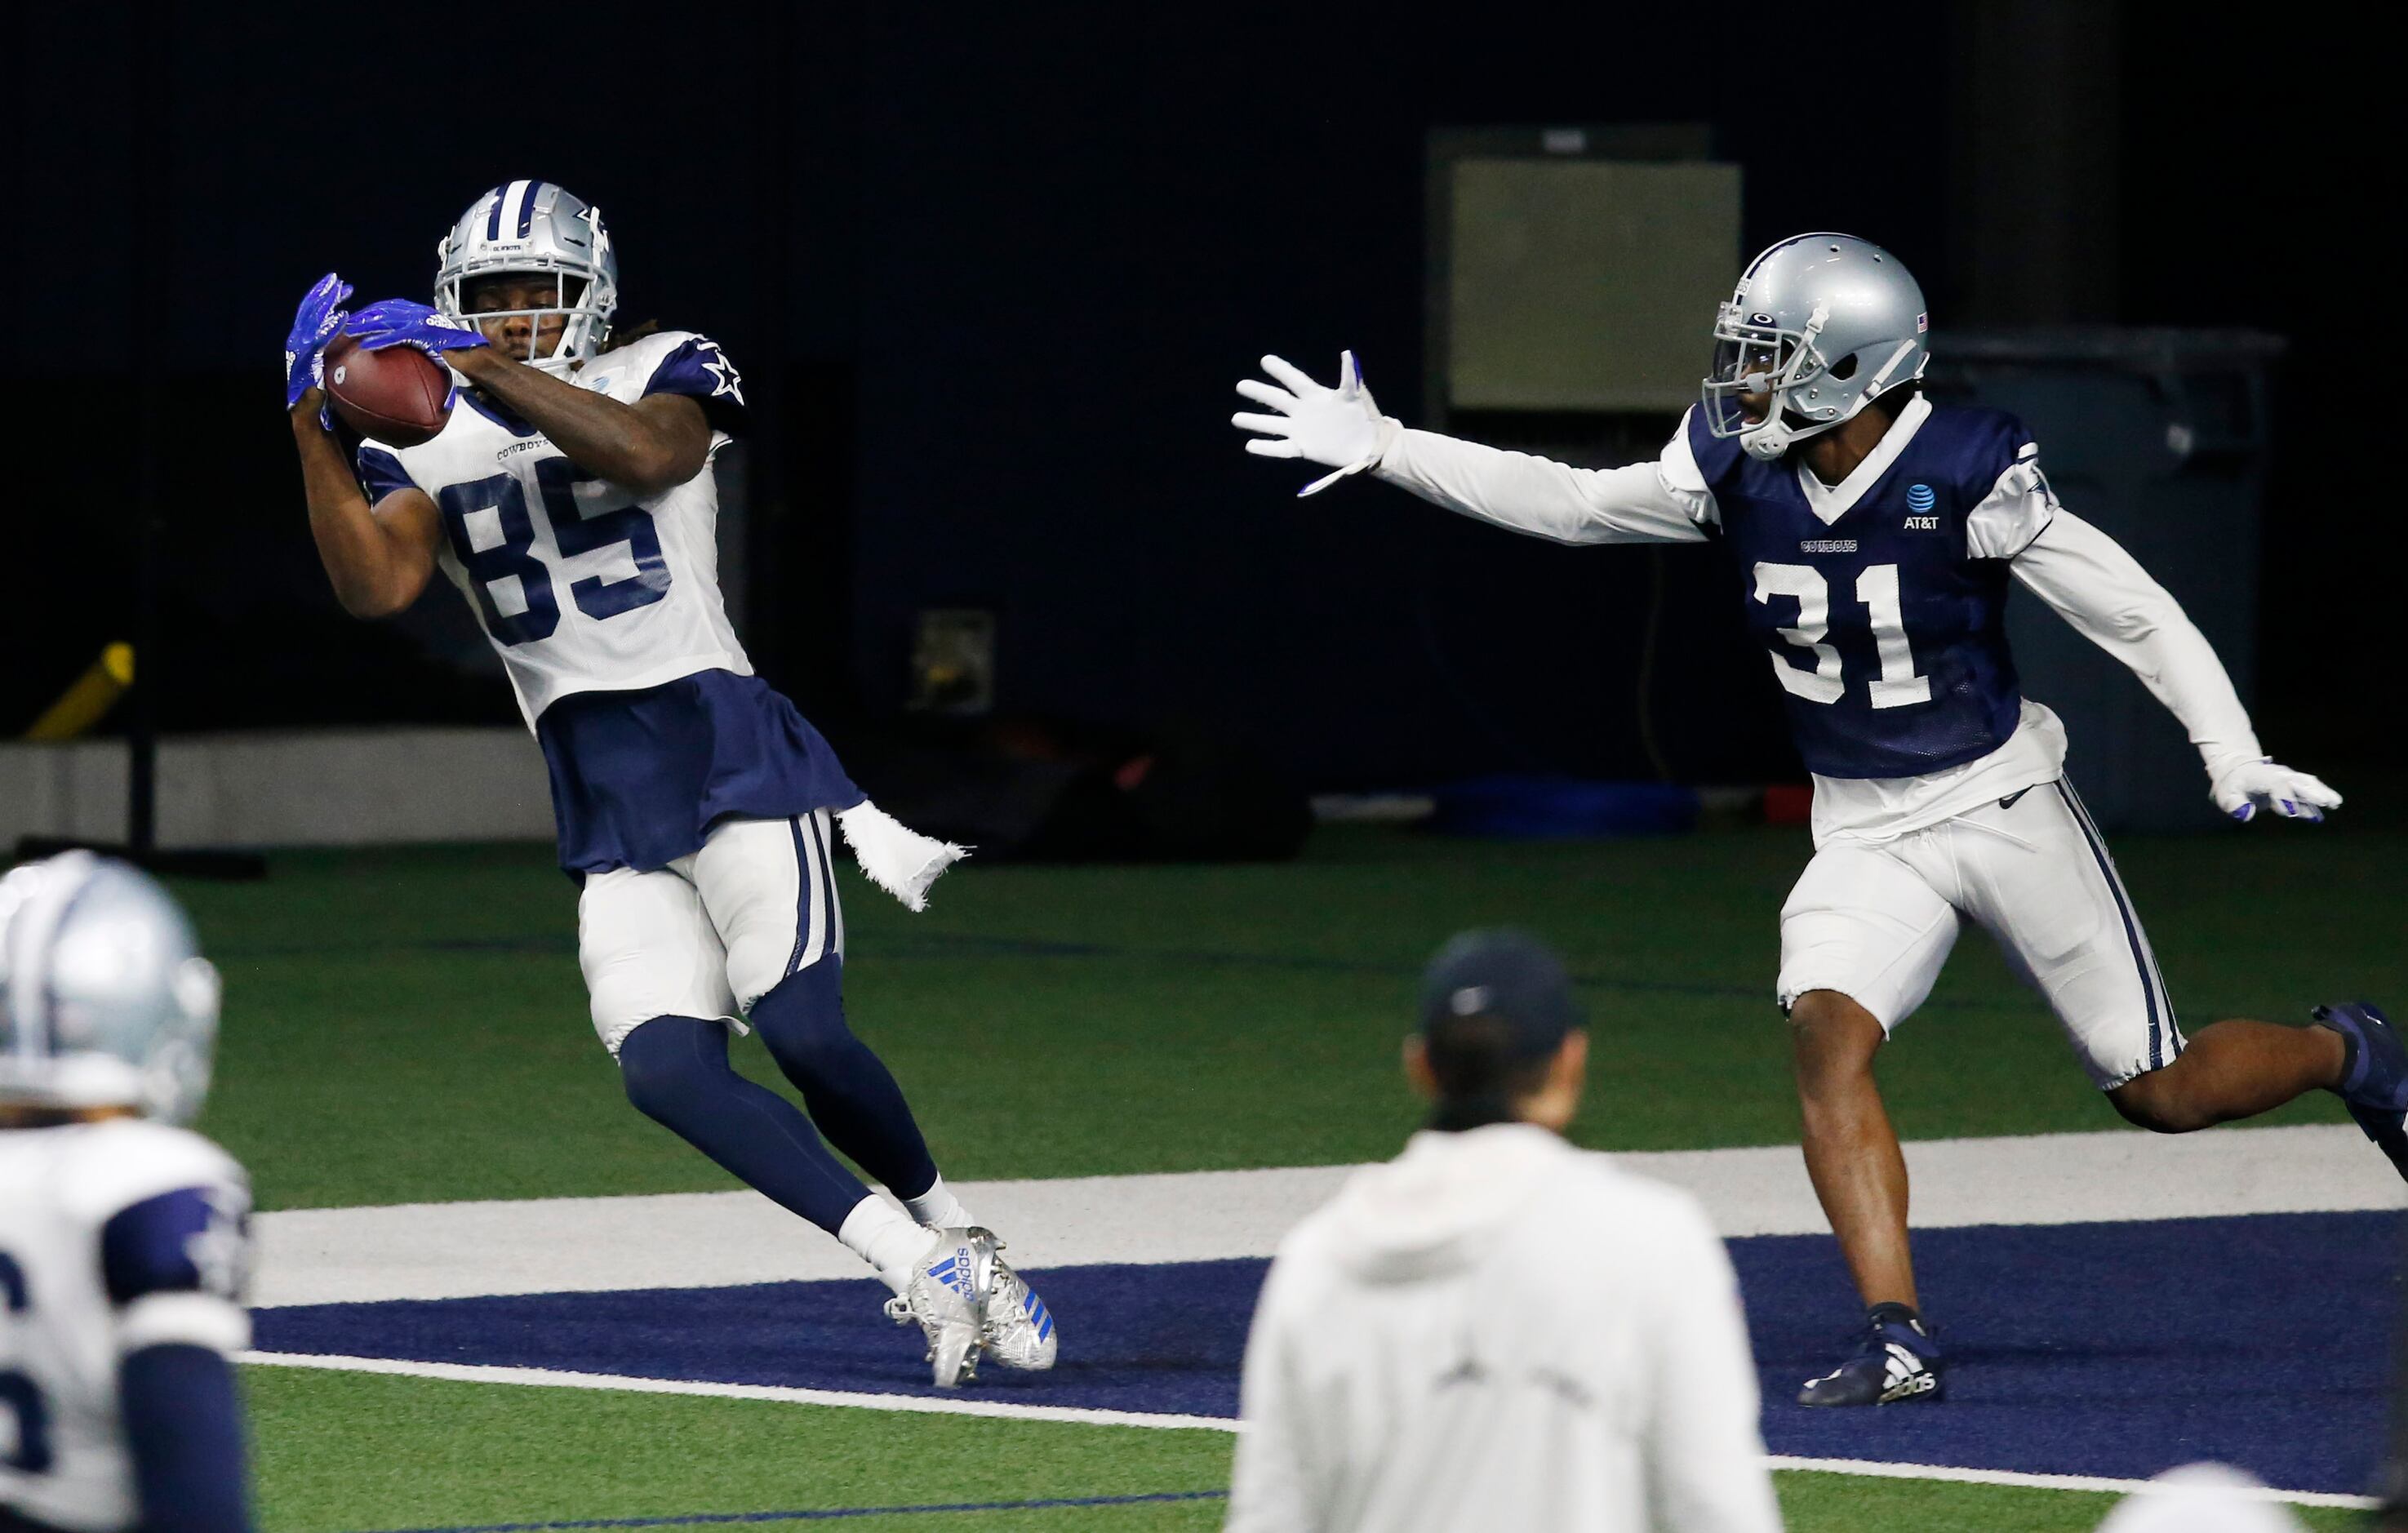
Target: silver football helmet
105, 998
535, 227
1824, 323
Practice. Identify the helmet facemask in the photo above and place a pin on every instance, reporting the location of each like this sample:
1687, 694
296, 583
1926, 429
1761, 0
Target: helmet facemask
1756, 357
584, 323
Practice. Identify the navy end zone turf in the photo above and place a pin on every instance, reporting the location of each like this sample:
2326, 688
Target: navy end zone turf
1160, 1339
2116, 1350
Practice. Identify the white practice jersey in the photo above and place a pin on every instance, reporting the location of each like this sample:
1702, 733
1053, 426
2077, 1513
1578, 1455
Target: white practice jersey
581, 586
114, 1235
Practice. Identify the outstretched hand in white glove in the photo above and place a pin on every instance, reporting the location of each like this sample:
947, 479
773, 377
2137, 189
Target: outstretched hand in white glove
1339, 428
2244, 787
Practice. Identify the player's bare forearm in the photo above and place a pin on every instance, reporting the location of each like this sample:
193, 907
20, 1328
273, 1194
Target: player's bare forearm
643, 448
378, 564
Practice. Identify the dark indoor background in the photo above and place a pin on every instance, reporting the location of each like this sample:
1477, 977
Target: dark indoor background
991, 273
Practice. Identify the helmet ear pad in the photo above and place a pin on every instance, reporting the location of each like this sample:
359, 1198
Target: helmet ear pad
1845, 369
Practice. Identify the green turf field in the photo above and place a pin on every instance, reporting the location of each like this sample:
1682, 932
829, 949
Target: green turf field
409, 1025
431, 1455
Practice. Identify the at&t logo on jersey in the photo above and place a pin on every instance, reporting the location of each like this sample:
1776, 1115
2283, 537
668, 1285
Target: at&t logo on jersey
1919, 502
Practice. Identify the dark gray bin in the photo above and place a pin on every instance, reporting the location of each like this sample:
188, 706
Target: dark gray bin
2160, 438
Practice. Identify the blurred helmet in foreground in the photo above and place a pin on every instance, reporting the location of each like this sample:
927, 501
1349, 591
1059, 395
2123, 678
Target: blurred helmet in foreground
105, 998
2201, 1499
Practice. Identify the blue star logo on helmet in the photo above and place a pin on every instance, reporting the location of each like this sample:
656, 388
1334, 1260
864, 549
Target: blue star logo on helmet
1920, 498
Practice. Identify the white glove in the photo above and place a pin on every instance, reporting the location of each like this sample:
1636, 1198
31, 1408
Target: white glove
2242, 788
1338, 427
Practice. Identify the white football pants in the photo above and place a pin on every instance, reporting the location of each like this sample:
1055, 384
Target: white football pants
711, 933
1875, 922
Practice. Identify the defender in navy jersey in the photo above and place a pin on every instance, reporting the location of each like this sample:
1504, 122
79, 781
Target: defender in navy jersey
569, 496
1872, 540
1834, 580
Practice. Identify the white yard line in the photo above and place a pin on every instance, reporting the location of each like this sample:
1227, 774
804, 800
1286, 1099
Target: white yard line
716, 1240
966, 1405
969, 1405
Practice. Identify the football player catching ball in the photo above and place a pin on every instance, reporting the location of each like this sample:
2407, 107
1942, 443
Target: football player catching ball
569, 496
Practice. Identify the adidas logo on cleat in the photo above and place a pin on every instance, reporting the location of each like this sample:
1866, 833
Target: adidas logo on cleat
954, 1273
1905, 1376
948, 1297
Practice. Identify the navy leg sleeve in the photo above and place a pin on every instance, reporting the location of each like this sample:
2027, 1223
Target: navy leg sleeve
183, 1425
676, 1073
850, 1092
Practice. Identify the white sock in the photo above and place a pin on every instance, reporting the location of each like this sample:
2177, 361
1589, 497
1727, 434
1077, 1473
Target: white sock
884, 1235
939, 1209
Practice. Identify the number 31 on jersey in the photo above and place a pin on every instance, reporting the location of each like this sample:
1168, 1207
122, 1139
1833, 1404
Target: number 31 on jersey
1877, 591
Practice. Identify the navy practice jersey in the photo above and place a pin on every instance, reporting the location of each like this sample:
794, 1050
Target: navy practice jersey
1884, 602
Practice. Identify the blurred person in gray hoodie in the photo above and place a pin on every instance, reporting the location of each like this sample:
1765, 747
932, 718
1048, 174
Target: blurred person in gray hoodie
1496, 1330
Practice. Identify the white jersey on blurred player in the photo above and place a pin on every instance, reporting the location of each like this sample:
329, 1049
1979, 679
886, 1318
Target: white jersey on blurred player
580, 585
114, 1235
124, 1247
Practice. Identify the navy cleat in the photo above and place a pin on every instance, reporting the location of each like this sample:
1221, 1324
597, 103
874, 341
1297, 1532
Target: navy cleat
1895, 1359
2374, 1075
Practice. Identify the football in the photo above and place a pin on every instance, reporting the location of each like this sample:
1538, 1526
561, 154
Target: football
399, 396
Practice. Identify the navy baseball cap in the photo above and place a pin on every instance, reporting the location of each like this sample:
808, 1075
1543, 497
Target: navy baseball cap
1508, 975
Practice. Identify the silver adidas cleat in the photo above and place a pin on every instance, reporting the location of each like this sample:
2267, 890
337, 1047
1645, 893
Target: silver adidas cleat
1018, 1328
948, 1297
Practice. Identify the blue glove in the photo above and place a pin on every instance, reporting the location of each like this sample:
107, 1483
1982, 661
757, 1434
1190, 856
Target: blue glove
320, 320
398, 322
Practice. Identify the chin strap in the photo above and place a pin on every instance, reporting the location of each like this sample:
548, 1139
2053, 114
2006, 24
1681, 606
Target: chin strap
1774, 435
1768, 440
